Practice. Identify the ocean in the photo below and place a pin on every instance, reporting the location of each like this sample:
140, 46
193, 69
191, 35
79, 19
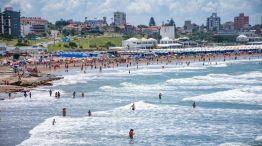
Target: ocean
228, 111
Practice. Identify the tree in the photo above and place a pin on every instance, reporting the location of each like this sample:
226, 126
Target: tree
109, 44
258, 28
152, 22
51, 26
73, 32
142, 26
31, 36
65, 32
155, 35
171, 22
72, 44
60, 24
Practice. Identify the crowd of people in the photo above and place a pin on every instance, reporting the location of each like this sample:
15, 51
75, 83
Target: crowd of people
101, 63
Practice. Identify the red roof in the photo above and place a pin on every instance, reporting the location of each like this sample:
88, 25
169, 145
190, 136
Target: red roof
32, 19
76, 26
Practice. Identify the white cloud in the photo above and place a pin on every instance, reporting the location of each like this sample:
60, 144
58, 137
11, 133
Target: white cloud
140, 6
24, 5
138, 11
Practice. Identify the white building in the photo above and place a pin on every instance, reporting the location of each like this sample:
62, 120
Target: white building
168, 31
242, 39
119, 18
167, 43
213, 22
136, 44
33, 25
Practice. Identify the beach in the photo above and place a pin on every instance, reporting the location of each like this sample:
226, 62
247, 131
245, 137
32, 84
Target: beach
227, 95
19, 82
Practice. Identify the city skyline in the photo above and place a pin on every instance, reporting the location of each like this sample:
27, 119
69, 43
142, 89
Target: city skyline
139, 11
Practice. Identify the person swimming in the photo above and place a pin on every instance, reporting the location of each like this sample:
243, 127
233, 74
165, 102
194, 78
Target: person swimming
160, 96
58, 94
194, 104
50, 92
25, 94
74, 94
53, 123
133, 106
131, 134
89, 113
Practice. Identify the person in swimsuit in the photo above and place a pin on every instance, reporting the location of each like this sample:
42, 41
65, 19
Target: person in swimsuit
131, 134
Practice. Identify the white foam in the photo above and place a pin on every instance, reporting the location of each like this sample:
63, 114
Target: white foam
149, 121
139, 105
233, 144
215, 79
259, 138
75, 79
133, 88
247, 95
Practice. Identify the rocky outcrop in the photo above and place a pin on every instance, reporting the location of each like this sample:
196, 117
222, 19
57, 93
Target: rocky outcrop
12, 88
26, 83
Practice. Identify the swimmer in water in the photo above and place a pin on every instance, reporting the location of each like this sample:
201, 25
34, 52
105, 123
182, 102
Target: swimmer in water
194, 104
74, 94
133, 106
131, 134
50, 92
89, 113
53, 123
160, 96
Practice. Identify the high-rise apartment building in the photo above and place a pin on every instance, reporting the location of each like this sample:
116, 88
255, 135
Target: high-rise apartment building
213, 22
9, 23
241, 22
119, 18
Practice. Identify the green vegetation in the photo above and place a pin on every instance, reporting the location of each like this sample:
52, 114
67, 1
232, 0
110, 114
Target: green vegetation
11, 42
200, 36
152, 22
15, 42
89, 43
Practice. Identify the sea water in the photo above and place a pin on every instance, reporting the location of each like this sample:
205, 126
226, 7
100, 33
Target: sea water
228, 96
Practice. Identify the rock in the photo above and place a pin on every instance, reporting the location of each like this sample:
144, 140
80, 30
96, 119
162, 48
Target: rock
17, 83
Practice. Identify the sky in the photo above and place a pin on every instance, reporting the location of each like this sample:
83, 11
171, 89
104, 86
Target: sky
139, 11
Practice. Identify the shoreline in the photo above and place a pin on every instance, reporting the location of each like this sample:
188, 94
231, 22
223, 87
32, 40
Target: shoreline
45, 74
